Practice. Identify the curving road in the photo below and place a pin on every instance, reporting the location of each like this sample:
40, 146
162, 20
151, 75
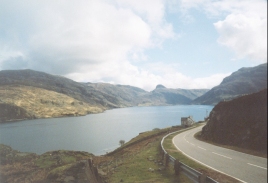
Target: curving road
244, 167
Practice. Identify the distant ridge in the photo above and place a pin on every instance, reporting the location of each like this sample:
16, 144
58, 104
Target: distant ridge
28, 94
244, 81
32, 94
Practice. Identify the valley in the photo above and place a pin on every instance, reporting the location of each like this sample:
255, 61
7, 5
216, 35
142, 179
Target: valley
28, 94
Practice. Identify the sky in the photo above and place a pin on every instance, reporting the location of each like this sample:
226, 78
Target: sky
190, 44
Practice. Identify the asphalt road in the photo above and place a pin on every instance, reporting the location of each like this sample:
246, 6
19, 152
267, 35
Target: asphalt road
244, 167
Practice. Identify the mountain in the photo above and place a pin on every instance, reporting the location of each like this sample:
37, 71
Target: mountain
57, 84
244, 81
29, 94
27, 102
133, 96
188, 93
166, 96
240, 122
126, 95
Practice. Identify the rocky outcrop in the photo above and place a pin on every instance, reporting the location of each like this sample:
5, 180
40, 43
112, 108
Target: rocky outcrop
240, 122
53, 166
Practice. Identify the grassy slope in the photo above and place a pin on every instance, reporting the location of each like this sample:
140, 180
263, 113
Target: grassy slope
43, 103
139, 160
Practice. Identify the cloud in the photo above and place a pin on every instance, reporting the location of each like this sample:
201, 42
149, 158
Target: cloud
84, 40
148, 79
74, 33
246, 35
243, 28
102, 40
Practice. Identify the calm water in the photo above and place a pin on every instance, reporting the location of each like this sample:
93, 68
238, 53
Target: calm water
95, 133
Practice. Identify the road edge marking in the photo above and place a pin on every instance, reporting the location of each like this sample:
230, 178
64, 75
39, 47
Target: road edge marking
221, 155
204, 163
201, 148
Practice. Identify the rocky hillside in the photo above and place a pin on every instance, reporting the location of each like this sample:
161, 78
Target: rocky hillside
53, 166
240, 122
243, 81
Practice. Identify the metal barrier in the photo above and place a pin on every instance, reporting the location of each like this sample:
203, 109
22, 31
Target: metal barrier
179, 167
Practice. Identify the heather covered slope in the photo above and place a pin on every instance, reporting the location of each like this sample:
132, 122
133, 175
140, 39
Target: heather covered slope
243, 81
57, 84
27, 102
241, 122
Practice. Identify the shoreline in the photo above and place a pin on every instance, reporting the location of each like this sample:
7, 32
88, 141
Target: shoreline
67, 116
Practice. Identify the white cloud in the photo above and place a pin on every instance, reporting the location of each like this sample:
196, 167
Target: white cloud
243, 28
148, 79
85, 32
153, 12
246, 35
210, 81
101, 40
83, 40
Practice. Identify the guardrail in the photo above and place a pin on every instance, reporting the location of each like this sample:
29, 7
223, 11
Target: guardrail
179, 167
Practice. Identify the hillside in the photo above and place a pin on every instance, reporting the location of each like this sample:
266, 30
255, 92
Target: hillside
133, 96
126, 95
166, 96
53, 166
243, 81
28, 94
241, 122
57, 84
27, 102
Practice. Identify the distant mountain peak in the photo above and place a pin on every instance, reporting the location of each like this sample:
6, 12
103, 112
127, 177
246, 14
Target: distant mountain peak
160, 86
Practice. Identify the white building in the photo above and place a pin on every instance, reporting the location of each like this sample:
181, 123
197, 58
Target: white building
187, 121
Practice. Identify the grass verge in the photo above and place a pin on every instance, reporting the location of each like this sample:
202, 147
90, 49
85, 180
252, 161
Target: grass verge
141, 162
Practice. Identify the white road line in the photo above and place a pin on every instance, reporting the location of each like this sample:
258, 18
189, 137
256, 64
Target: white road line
184, 137
201, 148
257, 166
192, 144
204, 163
222, 155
